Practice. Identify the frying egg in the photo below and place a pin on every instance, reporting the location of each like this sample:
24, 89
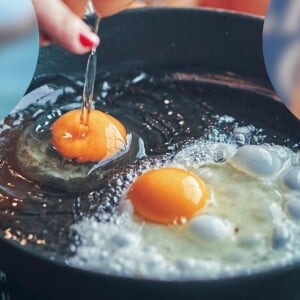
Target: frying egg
104, 136
199, 216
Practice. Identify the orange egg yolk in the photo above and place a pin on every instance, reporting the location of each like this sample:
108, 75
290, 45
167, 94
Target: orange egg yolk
107, 8
168, 195
101, 139
77, 6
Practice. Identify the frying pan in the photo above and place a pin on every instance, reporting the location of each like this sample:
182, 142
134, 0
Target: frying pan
216, 42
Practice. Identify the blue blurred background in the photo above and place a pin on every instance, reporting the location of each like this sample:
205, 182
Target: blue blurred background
281, 46
19, 46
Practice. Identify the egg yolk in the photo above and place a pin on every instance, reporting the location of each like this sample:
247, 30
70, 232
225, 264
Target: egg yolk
101, 139
168, 195
77, 6
107, 8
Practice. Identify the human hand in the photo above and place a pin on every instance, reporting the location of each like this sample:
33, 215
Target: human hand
61, 23
59, 20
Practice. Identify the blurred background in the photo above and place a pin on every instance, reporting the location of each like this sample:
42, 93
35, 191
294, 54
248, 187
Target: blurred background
281, 40
19, 46
281, 45
258, 7
19, 40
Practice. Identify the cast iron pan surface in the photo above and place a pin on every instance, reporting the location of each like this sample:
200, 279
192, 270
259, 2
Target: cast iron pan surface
211, 62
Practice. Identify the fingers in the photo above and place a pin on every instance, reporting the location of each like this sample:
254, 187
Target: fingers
59, 24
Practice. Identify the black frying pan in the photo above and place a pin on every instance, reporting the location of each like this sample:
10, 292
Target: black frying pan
153, 40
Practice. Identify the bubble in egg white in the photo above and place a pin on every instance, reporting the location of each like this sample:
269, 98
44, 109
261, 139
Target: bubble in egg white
196, 155
256, 161
280, 236
252, 240
283, 152
124, 240
296, 159
236, 257
199, 267
186, 263
208, 228
293, 207
270, 211
241, 136
291, 178
152, 264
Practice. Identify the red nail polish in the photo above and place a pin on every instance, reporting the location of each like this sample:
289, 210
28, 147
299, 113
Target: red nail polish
85, 41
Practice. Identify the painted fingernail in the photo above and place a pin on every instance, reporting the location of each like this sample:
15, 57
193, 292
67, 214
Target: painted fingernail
88, 41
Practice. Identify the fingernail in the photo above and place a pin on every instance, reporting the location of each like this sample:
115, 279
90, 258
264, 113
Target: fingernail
89, 41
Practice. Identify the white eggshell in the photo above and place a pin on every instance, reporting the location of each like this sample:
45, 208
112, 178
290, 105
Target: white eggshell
208, 228
291, 178
256, 161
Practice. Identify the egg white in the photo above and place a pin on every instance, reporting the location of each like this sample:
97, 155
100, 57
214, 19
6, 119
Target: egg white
251, 222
